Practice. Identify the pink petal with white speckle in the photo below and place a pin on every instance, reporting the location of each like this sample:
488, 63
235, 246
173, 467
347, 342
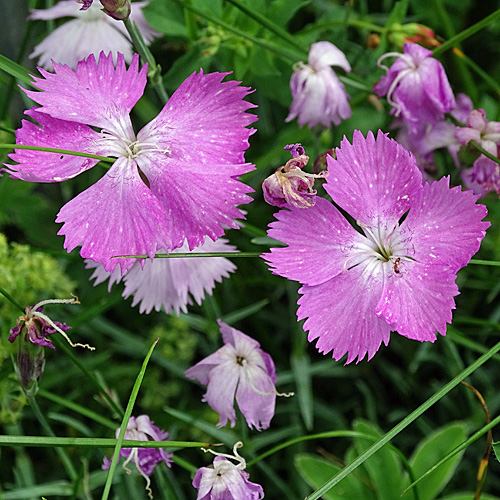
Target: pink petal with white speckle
373, 179
96, 94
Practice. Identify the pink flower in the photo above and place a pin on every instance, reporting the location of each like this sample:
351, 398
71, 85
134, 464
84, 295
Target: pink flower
416, 86
176, 180
90, 32
171, 283
144, 459
394, 276
239, 369
479, 129
318, 95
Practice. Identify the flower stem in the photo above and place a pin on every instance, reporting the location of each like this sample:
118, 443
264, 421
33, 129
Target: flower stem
483, 151
58, 151
46, 427
154, 70
9, 297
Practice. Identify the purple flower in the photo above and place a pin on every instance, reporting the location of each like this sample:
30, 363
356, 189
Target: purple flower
289, 185
239, 369
416, 86
318, 95
394, 276
483, 177
169, 283
175, 180
226, 481
89, 32
144, 459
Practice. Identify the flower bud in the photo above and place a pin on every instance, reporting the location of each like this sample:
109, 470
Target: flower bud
117, 9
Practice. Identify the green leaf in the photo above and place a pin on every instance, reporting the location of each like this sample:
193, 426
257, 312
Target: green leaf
315, 471
389, 485
468, 496
15, 70
496, 449
302, 375
167, 17
430, 451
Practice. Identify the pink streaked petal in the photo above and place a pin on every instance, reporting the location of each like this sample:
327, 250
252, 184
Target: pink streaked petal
445, 225
258, 409
40, 166
198, 197
116, 216
324, 54
341, 315
318, 240
204, 122
418, 301
76, 40
373, 179
100, 275
201, 371
96, 93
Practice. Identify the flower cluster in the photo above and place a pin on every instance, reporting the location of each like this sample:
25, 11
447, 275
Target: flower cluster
397, 275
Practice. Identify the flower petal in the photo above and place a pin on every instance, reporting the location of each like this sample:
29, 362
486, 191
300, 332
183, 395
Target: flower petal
341, 315
418, 301
116, 216
324, 54
445, 225
40, 166
95, 94
373, 179
318, 240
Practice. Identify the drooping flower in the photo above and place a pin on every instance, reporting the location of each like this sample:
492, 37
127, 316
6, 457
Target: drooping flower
318, 95
289, 185
141, 428
397, 275
225, 480
169, 283
416, 86
239, 369
90, 32
32, 331
483, 177
175, 180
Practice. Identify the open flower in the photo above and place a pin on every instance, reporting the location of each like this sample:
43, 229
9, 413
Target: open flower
479, 129
225, 480
89, 32
318, 95
169, 283
175, 180
416, 86
289, 185
141, 428
239, 369
398, 274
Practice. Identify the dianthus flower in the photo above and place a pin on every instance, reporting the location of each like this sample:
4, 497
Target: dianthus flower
416, 86
175, 180
169, 283
144, 459
289, 185
483, 177
399, 273
90, 32
226, 481
318, 95
239, 369
479, 129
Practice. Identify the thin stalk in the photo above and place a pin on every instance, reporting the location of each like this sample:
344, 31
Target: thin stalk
9, 297
58, 151
154, 70
46, 427
463, 35
273, 28
480, 262
402, 425
194, 254
48, 442
125, 420
483, 151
